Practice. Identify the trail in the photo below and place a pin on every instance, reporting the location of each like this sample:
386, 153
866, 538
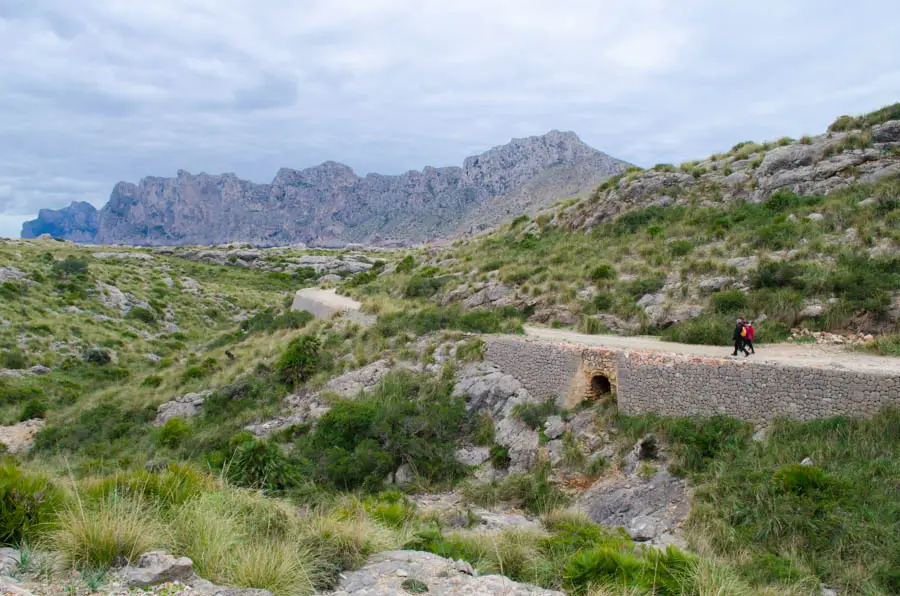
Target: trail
803, 355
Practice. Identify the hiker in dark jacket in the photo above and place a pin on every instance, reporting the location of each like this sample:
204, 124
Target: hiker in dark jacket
738, 338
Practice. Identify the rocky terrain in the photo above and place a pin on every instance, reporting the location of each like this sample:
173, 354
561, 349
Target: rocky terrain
329, 205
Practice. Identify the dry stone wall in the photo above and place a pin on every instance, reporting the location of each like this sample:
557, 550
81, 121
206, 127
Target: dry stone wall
679, 385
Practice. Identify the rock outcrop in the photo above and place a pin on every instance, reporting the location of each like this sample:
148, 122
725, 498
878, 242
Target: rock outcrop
329, 205
404, 572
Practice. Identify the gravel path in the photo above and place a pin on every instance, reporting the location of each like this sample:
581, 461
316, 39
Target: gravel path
804, 355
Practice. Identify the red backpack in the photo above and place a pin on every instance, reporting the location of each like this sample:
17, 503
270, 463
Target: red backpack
750, 331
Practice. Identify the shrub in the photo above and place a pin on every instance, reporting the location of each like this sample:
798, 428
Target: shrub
535, 415
153, 381
708, 330
97, 356
604, 301
14, 394
173, 433
483, 431
363, 278
778, 274
731, 301
262, 465
143, 315
268, 321
28, 505
801, 480
699, 440
424, 287
33, 409
70, 268
406, 419
414, 586
680, 248
648, 285
500, 457
406, 265
300, 360
603, 273
250, 393
14, 359
116, 530
93, 432
471, 350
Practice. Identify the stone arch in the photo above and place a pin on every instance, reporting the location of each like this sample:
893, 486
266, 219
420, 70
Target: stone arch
596, 377
601, 386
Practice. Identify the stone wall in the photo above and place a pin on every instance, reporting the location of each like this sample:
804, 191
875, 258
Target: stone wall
547, 370
679, 385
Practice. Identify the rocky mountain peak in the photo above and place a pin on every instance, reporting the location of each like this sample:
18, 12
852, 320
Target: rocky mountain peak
329, 204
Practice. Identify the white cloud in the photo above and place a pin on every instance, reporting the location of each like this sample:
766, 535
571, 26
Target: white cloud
99, 91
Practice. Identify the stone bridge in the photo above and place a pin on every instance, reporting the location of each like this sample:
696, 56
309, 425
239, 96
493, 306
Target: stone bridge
683, 384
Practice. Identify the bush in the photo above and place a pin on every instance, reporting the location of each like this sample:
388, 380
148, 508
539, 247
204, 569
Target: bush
407, 419
801, 480
500, 457
261, 465
97, 356
436, 318
230, 401
604, 301
406, 265
70, 268
15, 394
153, 381
143, 315
710, 330
424, 287
648, 285
14, 359
173, 433
300, 360
28, 505
483, 431
363, 278
680, 248
779, 274
603, 273
94, 431
697, 441
268, 321
728, 302
33, 409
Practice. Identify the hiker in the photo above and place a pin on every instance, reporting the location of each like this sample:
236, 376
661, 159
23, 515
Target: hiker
748, 338
740, 332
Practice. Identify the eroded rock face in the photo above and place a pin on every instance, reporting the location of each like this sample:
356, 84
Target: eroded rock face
486, 387
154, 568
362, 379
385, 574
19, 438
78, 222
189, 404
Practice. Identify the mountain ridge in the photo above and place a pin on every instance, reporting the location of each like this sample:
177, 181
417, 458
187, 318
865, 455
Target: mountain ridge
331, 205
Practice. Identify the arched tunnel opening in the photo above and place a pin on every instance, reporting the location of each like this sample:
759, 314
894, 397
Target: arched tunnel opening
601, 388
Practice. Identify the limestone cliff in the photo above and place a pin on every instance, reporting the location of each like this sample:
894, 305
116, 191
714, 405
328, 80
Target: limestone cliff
329, 205
77, 222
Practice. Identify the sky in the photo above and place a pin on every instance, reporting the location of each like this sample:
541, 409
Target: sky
97, 91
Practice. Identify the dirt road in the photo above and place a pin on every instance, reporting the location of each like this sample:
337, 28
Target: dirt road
805, 355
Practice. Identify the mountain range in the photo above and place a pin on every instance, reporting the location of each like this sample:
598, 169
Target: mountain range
329, 205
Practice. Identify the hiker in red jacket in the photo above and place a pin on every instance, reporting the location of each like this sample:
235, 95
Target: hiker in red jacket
748, 338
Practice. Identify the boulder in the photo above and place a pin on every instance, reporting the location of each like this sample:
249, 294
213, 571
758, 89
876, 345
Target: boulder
788, 157
9, 560
393, 573
815, 217
19, 438
189, 404
362, 379
473, 455
554, 427
154, 568
812, 310
888, 132
488, 296
643, 528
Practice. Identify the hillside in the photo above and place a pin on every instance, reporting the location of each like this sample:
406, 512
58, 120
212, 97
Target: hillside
792, 234
169, 399
329, 205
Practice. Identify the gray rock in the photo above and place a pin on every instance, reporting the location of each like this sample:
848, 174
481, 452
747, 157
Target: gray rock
363, 379
11, 587
643, 528
815, 217
330, 278
189, 404
712, 284
10, 274
807, 462
492, 294
790, 156
473, 455
136, 256
812, 310
384, 574
554, 427
9, 560
39, 370
154, 568
888, 132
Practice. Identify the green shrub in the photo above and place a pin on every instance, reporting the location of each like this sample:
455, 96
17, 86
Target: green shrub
95, 430
436, 318
97, 356
28, 505
363, 278
268, 321
406, 265
801, 480
648, 285
500, 457
604, 301
262, 465
424, 287
680, 248
413, 585
143, 315
406, 419
300, 360
173, 433
14, 359
603, 273
153, 381
710, 330
228, 402
731, 301
70, 268
779, 274
13, 393
33, 409
483, 431
471, 350
535, 415
697, 441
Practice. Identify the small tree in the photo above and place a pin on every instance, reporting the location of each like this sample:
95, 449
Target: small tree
300, 359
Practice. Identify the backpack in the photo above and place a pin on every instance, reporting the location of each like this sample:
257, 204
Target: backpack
743, 332
750, 332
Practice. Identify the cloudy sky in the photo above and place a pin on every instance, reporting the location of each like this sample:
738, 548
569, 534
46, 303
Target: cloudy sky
97, 91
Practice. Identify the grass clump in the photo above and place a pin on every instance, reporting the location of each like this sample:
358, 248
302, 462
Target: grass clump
28, 504
300, 360
535, 415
